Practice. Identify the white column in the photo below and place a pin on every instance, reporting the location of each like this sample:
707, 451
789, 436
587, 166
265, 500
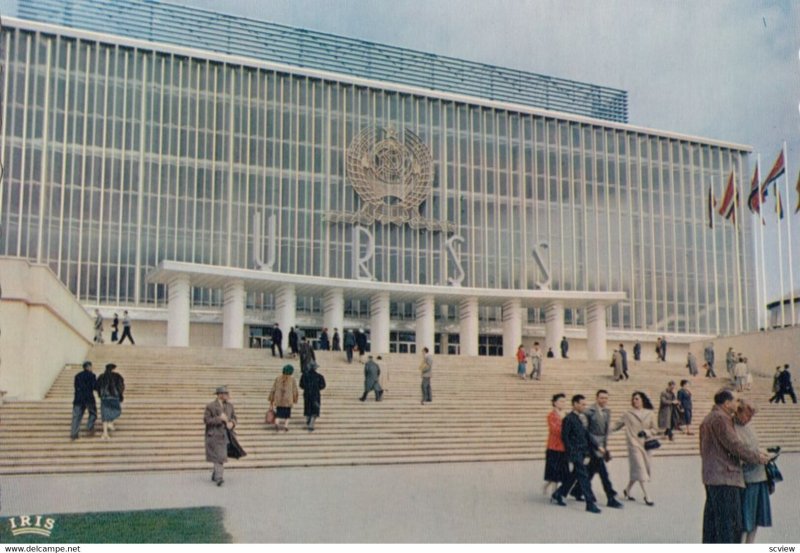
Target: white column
285, 310
178, 311
512, 326
379, 323
233, 314
554, 325
333, 311
596, 332
425, 324
468, 326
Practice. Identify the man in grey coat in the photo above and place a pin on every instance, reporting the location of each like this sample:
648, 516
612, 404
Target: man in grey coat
372, 373
599, 419
708, 355
691, 363
219, 418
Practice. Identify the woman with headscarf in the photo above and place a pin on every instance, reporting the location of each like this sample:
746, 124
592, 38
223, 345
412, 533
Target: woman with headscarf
640, 425
312, 384
111, 387
756, 510
283, 395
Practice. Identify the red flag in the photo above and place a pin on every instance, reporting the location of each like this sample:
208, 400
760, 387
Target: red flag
755, 199
777, 170
729, 200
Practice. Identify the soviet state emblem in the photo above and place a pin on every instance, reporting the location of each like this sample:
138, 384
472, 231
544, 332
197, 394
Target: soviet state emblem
393, 175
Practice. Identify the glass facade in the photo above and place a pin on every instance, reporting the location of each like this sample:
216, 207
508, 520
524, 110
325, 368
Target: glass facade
118, 157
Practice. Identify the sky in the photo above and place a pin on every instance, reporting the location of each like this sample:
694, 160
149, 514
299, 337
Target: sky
721, 69
728, 70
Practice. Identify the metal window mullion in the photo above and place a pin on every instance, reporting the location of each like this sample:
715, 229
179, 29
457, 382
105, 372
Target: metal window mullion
484, 198
498, 200
726, 280
574, 150
180, 159
632, 261
166, 138
193, 200
209, 226
6, 113
584, 184
81, 217
231, 159
294, 167
140, 193
327, 181
26, 107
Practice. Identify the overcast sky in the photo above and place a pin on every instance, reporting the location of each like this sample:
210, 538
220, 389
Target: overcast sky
720, 69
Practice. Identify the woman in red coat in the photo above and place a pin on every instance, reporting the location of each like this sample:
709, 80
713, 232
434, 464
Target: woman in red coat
556, 467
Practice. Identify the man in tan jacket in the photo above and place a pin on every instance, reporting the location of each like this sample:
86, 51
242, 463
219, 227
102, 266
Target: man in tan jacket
722, 454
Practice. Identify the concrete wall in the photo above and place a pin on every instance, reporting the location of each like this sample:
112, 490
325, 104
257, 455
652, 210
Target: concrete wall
42, 328
764, 350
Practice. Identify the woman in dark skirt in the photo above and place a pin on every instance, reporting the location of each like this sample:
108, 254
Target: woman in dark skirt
756, 509
556, 467
111, 387
685, 407
312, 384
283, 395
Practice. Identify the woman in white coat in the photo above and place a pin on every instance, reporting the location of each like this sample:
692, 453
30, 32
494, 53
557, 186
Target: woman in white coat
640, 425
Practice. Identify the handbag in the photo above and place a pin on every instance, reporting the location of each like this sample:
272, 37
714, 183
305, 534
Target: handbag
270, 416
235, 450
651, 444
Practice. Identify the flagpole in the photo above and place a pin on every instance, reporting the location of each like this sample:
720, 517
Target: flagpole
716, 274
780, 250
763, 307
789, 232
736, 222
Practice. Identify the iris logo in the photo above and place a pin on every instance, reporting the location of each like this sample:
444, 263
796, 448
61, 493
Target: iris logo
31, 524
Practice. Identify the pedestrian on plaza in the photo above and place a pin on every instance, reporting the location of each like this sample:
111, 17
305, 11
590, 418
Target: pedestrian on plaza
730, 362
361, 344
277, 340
84, 384
550, 354
624, 356
312, 384
616, 364
668, 410
307, 355
575, 435
564, 347
98, 327
349, 344
785, 385
599, 419
336, 341
637, 351
220, 421
115, 328
283, 395
709, 370
640, 426
293, 343
658, 349
664, 348
722, 453
740, 374
522, 362
324, 342
536, 362
708, 356
556, 466
126, 328
426, 370
691, 363
111, 388
372, 376
756, 510
685, 407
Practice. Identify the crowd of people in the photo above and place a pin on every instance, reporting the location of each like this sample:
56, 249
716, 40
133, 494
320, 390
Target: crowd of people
116, 338
109, 386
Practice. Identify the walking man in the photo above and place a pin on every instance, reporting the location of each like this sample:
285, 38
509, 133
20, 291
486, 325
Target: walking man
691, 364
336, 342
277, 340
575, 435
624, 355
115, 328
708, 356
564, 347
361, 344
293, 342
426, 370
372, 375
98, 327
536, 362
85, 382
126, 328
307, 355
637, 351
784, 386
599, 419
349, 344
663, 348
220, 419
722, 454
730, 362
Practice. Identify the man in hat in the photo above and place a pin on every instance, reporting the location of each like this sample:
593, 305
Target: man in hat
219, 417
84, 399
372, 374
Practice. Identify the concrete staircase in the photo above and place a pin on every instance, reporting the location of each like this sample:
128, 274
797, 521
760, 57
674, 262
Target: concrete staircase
481, 412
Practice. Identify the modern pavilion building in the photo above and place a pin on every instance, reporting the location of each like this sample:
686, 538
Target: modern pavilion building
215, 174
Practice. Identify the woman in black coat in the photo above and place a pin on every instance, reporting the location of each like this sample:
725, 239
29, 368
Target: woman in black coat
312, 384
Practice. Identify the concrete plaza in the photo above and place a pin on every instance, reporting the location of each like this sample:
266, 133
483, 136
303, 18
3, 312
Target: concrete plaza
448, 502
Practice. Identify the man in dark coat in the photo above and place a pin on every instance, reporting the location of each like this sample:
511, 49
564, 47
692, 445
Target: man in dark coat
307, 355
349, 344
624, 355
292, 341
361, 344
637, 351
277, 340
575, 435
564, 347
85, 382
599, 419
663, 348
312, 384
722, 454
220, 420
785, 385
336, 341
372, 374
324, 342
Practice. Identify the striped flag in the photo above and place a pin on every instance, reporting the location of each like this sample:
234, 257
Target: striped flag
712, 203
755, 199
778, 203
797, 186
777, 170
729, 201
